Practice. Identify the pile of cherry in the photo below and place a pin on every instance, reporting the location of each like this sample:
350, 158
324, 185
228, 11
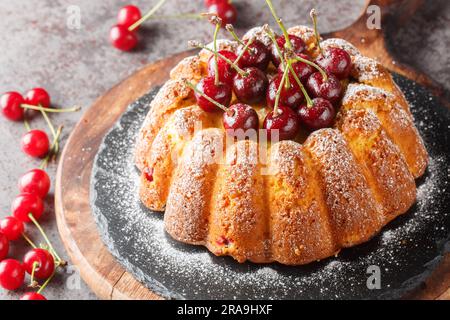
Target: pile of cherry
39, 262
288, 92
123, 35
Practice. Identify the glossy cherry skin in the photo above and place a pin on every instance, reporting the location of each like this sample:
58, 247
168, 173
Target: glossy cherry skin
32, 296
330, 90
289, 97
38, 96
251, 88
128, 15
122, 39
285, 121
220, 93
35, 181
4, 246
12, 274
209, 3
35, 143
45, 264
320, 115
336, 61
298, 46
225, 11
12, 228
302, 70
226, 71
27, 203
257, 56
240, 116
10, 104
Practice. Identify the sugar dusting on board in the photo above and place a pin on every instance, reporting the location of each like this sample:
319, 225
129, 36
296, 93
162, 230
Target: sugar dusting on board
137, 238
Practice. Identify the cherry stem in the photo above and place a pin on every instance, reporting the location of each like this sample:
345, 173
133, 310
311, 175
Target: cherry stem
288, 43
30, 242
147, 16
312, 64
195, 44
278, 94
49, 123
309, 102
44, 285
218, 23
217, 104
230, 29
313, 15
35, 265
28, 106
38, 226
277, 47
25, 121
53, 149
249, 42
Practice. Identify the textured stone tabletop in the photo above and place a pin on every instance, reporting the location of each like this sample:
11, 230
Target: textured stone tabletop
77, 66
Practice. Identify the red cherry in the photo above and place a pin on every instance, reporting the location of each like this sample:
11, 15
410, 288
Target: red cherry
45, 264
128, 15
4, 246
35, 181
226, 71
10, 103
258, 56
25, 204
122, 39
35, 143
298, 46
220, 93
148, 174
38, 96
336, 61
290, 97
302, 70
285, 121
240, 116
12, 274
12, 228
209, 3
330, 90
252, 87
225, 11
320, 115
32, 296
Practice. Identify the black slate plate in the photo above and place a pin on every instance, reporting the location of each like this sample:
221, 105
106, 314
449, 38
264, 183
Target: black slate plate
406, 251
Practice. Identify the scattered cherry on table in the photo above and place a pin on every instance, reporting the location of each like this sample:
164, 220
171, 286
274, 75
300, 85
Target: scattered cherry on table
25, 204
128, 15
32, 296
12, 228
35, 181
10, 103
38, 96
224, 10
4, 246
12, 274
43, 260
122, 38
35, 143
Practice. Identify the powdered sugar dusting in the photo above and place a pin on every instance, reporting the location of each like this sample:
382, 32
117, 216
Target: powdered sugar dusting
137, 237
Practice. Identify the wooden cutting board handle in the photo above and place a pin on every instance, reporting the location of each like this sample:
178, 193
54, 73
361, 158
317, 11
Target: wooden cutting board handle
371, 42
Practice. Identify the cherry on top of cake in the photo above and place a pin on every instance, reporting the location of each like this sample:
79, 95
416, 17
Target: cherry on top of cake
299, 87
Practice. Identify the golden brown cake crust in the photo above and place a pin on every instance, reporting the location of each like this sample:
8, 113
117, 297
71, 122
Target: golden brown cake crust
335, 190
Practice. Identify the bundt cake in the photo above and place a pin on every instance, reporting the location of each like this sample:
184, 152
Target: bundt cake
300, 199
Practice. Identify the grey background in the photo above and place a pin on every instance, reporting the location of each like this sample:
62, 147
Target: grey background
77, 66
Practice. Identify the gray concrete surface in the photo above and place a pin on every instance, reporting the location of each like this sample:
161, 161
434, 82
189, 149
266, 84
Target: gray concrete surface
77, 66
